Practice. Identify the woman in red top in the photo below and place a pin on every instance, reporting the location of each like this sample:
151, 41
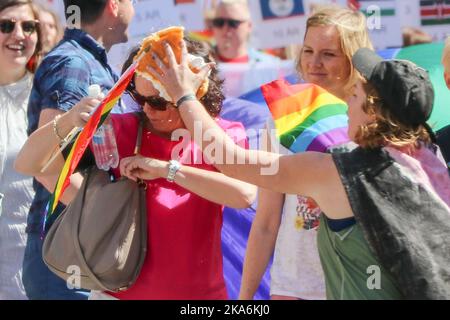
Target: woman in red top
184, 259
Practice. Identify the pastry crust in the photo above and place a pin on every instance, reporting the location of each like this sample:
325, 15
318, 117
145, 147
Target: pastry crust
154, 44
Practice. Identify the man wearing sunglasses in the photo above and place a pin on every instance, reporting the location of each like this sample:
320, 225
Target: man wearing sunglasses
61, 81
232, 27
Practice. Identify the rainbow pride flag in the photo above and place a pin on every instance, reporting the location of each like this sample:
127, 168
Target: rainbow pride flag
203, 35
84, 137
307, 117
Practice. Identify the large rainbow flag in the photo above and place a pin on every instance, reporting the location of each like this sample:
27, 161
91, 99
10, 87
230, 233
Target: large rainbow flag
307, 117
84, 137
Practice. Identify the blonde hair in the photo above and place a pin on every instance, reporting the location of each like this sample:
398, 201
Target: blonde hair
242, 3
446, 56
352, 29
386, 129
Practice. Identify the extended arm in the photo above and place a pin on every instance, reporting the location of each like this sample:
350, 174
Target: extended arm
310, 174
213, 186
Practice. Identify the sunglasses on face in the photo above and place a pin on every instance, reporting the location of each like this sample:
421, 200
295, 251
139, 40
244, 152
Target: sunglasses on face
28, 27
232, 23
154, 102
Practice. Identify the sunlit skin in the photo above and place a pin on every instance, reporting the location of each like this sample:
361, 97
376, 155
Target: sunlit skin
16, 48
232, 43
160, 122
356, 115
322, 60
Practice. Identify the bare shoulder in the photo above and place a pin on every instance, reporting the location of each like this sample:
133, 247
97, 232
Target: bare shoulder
318, 178
306, 171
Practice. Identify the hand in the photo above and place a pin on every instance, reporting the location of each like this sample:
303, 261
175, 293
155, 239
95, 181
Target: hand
179, 79
82, 111
139, 167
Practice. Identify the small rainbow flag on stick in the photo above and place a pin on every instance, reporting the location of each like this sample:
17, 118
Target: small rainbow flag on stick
83, 139
307, 117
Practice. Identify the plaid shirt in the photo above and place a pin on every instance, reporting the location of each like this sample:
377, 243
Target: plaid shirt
60, 82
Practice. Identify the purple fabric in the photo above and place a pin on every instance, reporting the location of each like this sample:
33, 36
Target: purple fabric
237, 222
333, 137
251, 110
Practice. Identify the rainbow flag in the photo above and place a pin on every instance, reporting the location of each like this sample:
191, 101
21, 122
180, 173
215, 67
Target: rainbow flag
84, 137
307, 117
204, 35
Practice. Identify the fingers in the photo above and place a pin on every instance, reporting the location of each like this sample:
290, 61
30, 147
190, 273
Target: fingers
127, 165
84, 116
89, 104
170, 55
159, 62
135, 167
184, 53
154, 73
123, 165
87, 107
206, 70
82, 111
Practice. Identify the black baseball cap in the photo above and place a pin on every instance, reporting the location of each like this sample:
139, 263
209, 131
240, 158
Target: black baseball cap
404, 87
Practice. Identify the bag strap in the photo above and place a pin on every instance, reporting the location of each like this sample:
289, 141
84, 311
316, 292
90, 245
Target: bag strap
137, 148
75, 232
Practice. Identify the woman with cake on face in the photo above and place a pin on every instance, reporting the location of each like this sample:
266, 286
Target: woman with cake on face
185, 193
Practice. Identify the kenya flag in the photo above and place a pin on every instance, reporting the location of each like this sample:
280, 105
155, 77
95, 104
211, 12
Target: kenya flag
434, 12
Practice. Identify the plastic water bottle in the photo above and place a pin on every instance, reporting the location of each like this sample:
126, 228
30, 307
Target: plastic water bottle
104, 143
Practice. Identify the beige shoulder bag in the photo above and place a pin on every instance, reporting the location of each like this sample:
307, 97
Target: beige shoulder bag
99, 241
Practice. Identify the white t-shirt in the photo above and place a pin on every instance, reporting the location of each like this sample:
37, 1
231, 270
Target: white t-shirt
17, 189
296, 270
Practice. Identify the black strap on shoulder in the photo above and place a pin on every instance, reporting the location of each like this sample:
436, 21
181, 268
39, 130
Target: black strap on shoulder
137, 148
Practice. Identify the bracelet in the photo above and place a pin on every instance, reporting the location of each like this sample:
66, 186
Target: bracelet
55, 129
174, 166
185, 98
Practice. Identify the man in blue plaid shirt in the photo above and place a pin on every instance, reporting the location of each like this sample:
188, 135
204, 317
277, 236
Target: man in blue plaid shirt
62, 79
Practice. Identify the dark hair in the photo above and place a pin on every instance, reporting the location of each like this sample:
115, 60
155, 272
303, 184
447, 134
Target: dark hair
214, 97
90, 10
35, 58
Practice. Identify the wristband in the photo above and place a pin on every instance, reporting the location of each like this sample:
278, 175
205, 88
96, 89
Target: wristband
184, 98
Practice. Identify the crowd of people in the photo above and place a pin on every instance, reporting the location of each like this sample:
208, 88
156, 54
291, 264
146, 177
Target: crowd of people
362, 200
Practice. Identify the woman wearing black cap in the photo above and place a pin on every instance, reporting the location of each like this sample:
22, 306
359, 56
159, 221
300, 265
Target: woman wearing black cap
394, 185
